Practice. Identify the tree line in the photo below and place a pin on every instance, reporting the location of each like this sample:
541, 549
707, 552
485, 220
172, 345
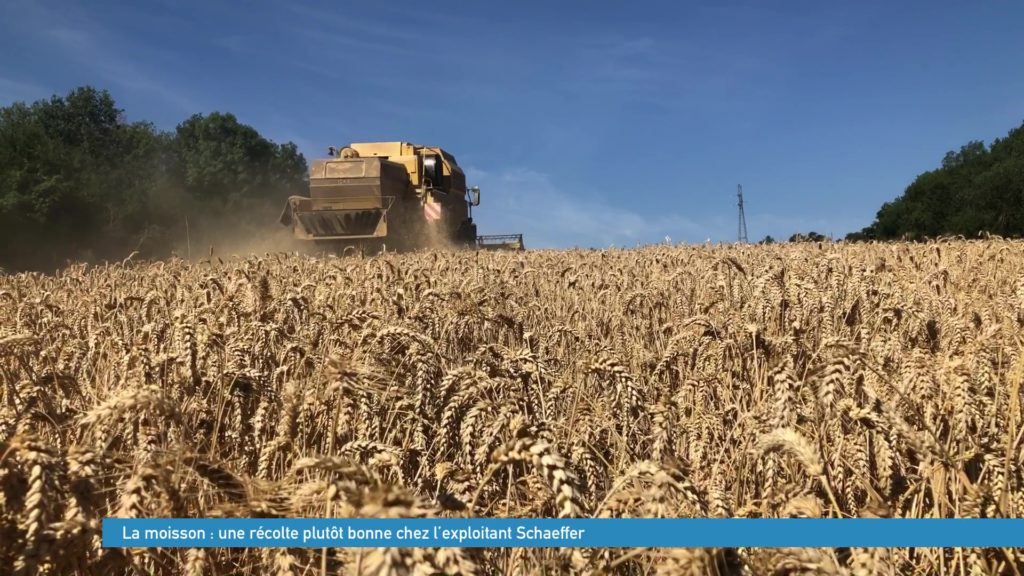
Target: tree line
80, 182
978, 189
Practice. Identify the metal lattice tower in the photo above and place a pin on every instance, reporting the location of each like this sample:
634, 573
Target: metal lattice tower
742, 225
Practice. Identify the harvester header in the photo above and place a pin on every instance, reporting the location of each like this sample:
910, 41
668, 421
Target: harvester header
388, 195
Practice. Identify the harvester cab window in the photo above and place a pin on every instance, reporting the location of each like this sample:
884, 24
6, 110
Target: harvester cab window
432, 171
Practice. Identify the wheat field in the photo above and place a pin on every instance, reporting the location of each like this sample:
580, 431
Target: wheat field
807, 380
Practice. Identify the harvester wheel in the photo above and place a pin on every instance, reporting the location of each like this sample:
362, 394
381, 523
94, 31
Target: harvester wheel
466, 234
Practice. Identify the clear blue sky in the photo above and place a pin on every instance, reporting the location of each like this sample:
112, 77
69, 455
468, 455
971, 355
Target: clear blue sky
593, 124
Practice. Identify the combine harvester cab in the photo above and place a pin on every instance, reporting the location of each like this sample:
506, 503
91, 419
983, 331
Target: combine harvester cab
387, 196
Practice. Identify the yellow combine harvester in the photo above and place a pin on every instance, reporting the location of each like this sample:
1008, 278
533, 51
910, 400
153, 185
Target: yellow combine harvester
389, 196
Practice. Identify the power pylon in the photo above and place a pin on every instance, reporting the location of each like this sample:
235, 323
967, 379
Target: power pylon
742, 225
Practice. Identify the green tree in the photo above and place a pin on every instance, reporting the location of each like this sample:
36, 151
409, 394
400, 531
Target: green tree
230, 182
74, 177
220, 159
976, 189
809, 237
80, 182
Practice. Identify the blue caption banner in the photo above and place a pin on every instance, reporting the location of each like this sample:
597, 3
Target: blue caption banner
567, 533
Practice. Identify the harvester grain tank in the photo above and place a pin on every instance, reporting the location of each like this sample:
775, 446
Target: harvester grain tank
389, 195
